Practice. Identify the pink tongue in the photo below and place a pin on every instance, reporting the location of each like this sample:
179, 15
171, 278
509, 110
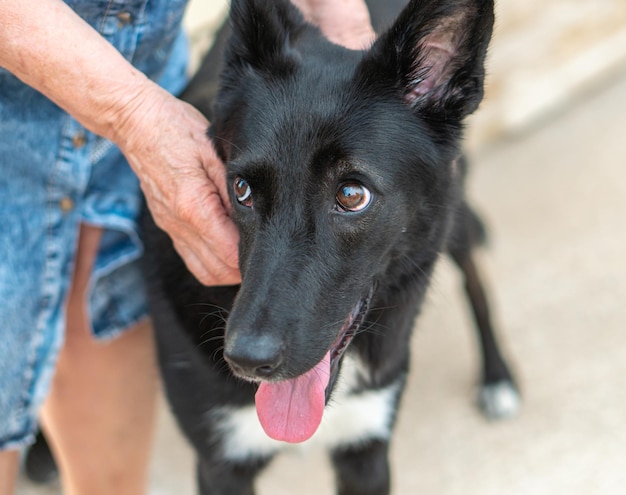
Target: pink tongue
292, 410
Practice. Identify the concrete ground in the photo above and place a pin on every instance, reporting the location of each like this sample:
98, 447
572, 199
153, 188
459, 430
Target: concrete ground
555, 202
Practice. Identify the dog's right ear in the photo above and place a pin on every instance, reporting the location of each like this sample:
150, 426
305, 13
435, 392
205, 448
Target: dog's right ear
261, 34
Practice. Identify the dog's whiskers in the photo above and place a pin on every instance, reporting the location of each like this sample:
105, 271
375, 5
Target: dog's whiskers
372, 327
227, 141
217, 314
209, 340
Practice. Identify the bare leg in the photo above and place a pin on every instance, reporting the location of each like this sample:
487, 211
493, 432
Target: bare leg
8, 471
99, 416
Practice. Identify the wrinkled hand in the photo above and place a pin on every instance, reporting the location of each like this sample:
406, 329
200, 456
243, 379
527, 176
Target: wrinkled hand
165, 142
344, 22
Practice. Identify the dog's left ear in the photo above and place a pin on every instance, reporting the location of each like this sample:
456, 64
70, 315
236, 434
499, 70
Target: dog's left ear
434, 56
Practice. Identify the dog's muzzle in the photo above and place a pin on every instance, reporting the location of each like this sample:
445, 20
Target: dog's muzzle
291, 410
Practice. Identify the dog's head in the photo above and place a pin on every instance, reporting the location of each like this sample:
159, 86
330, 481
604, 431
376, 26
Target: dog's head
341, 170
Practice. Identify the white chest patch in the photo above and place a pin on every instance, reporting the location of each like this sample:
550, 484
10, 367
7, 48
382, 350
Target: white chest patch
348, 419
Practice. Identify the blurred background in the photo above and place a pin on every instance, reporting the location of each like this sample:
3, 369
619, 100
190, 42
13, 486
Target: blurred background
548, 147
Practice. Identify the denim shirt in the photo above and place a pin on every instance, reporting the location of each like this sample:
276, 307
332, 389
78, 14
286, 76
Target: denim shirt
54, 176
142, 30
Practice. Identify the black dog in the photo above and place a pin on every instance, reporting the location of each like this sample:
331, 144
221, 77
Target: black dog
346, 183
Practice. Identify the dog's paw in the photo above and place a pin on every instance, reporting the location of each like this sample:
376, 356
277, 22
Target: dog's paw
500, 400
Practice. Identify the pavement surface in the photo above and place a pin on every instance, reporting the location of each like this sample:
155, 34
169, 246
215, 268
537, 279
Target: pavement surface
555, 202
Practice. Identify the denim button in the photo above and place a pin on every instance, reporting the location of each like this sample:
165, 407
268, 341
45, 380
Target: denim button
66, 204
124, 18
79, 139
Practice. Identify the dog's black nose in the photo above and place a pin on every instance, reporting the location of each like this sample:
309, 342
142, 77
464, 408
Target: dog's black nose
254, 357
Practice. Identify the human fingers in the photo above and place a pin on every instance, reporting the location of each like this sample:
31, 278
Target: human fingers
201, 229
207, 268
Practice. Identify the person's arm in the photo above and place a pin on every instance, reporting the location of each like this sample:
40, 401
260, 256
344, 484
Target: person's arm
345, 22
52, 49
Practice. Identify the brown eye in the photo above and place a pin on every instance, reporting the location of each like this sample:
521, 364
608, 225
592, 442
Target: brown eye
353, 197
243, 192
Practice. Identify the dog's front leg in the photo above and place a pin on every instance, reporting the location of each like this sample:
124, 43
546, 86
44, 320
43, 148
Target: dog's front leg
219, 478
362, 470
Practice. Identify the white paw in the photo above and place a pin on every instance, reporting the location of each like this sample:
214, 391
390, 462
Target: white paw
499, 400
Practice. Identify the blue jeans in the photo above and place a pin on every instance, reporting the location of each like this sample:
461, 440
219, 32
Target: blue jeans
55, 175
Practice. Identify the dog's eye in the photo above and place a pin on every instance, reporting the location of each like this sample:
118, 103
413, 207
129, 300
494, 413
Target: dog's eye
353, 197
243, 192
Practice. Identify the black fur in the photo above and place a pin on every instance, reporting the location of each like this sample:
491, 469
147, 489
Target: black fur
297, 117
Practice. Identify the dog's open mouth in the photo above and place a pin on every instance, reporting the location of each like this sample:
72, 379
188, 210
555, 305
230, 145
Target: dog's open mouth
292, 410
